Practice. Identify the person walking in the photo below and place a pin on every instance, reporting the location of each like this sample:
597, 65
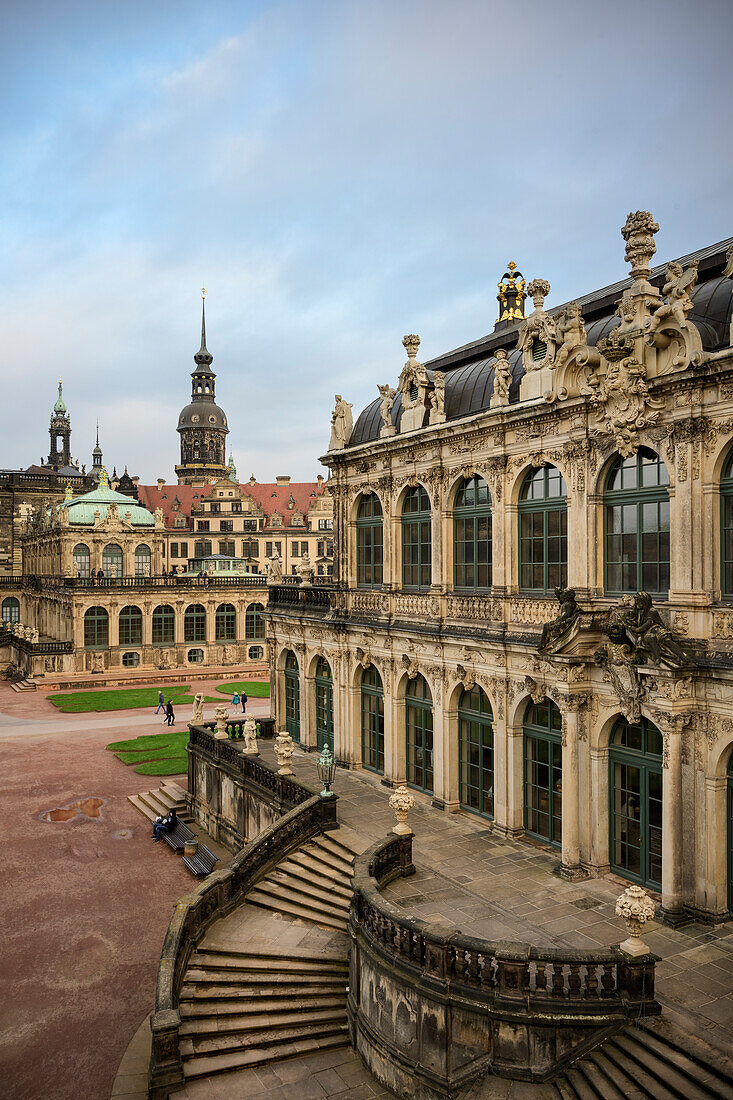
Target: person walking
244, 702
235, 699
161, 703
169, 715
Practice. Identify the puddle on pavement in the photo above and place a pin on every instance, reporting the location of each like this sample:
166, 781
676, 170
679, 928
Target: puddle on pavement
82, 807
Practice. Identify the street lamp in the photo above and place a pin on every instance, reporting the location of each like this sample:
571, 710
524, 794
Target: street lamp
326, 770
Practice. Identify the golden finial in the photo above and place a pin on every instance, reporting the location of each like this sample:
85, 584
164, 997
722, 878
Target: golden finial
69, 492
103, 479
203, 291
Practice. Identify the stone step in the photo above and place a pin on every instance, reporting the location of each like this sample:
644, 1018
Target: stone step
615, 1081
228, 975
595, 1071
668, 1068
204, 1046
232, 1025
336, 854
333, 896
207, 958
217, 1007
637, 1074
245, 1059
198, 992
157, 803
704, 1064
315, 863
316, 878
271, 895
581, 1089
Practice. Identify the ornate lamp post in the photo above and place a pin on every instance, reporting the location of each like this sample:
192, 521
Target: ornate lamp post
326, 770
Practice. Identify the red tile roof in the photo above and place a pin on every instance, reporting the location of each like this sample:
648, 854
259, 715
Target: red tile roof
269, 496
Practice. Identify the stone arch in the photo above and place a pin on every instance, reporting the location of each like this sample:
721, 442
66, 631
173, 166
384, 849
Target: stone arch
532, 463
361, 492
598, 484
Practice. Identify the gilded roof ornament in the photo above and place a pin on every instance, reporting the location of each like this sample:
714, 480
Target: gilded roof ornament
512, 292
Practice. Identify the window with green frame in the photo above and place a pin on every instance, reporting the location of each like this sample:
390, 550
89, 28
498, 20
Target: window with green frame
472, 535
225, 623
194, 623
369, 542
635, 792
476, 752
726, 527
131, 625
419, 734
372, 720
543, 531
292, 696
324, 704
112, 560
543, 772
96, 628
636, 524
416, 540
254, 622
11, 609
164, 625
729, 831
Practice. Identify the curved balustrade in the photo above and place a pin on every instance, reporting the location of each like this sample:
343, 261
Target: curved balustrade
431, 1005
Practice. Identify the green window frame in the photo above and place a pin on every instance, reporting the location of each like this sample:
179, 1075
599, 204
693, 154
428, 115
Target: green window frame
543, 531
143, 560
635, 810
292, 696
225, 623
476, 752
82, 560
543, 773
254, 622
369, 542
419, 734
164, 625
372, 720
324, 704
636, 525
472, 557
96, 628
729, 831
113, 560
726, 528
11, 609
194, 623
131, 625
416, 540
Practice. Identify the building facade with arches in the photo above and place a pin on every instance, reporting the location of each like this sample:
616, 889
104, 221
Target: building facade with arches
582, 454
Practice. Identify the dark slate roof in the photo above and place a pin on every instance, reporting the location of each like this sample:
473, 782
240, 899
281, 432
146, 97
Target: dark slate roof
469, 370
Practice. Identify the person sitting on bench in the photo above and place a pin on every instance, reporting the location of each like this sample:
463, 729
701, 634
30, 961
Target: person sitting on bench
164, 825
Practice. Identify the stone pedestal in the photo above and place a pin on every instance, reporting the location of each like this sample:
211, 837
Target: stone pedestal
536, 384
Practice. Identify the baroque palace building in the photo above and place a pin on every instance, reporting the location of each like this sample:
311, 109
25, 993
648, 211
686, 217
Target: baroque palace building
532, 614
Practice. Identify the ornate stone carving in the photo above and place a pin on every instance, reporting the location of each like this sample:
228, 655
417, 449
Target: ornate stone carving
437, 398
411, 666
536, 336
364, 657
249, 732
502, 379
621, 395
305, 571
668, 329
387, 394
401, 801
221, 714
274, 569
284, 747
635, 907
413, 385
538, 692
467, 676
342, 424
555, 632
638, 232
197, 712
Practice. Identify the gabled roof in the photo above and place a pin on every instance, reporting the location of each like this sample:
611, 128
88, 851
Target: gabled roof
269, 496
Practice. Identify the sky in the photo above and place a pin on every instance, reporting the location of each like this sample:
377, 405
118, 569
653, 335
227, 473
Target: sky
337, 173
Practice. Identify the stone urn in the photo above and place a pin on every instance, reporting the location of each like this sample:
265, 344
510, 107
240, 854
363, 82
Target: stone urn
221, 714
401, 802
636, 908
284, 746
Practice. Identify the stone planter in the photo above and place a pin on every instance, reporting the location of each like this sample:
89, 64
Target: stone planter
284, 746
635, 907
401, 802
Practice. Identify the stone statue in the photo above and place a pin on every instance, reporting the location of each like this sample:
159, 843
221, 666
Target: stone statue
651, 635
274, 569
221, 714
387, 394
197, 714
569, 611
677, 289
570, 333
284, 746
228, 655
249, 731
97, 662
33, 634
305, 571
342, 424
728, 269
502, 379
437, 411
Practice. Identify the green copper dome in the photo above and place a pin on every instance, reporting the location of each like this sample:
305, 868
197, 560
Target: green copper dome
82, 509
60, 406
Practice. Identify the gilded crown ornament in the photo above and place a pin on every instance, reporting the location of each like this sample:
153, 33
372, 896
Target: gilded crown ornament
511, 294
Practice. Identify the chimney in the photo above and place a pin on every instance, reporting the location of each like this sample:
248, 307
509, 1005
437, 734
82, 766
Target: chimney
161, 483
283, 479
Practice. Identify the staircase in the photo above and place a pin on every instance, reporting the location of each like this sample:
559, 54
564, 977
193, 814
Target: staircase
157, 803
653, 1058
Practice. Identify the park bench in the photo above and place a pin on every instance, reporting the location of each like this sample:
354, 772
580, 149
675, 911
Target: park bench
202, 863
178, 838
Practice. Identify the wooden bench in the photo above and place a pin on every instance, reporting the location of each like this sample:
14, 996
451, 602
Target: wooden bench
177, 838
202, 863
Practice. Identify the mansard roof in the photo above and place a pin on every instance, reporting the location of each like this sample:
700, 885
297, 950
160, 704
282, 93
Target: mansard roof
469, 370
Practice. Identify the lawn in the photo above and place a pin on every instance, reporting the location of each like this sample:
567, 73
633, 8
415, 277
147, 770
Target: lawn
254, 689
78, 702
154, 754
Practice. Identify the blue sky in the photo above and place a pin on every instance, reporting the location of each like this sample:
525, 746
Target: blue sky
338, 174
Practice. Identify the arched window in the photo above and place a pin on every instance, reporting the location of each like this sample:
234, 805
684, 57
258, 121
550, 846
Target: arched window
324, 704
254, 623
476, 752
635, 782
472, 535
194, 623
636, 518
131, 626
419, 731
543, 772
369, 556
543, 531
96, 628
112, 560
164, 625
292, 696
142, 560
726, 526
372, 720
226, 623
82, 560
729, 808
11, 609
416, 545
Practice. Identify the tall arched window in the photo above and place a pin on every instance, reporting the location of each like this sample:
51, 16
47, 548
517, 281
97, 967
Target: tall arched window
543, 772
419, 733
226, 622
142, 560
636, 516
324, 704
729, 808
254, 622
82, 560
726, 526
372, 720
194, 623
131, 626
11, 609
476, 752
292, 696
112, 560
635, 782
416, 544
164, 625
472, 535
543, 531
96, 628
369, 557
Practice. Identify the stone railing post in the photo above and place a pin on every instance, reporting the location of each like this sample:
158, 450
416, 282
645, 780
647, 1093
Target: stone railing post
166, 1068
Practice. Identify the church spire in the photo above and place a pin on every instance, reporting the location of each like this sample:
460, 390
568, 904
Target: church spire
97, 456
203, 357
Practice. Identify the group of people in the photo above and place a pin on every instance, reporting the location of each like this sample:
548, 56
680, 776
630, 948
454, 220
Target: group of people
164, 824
167, 709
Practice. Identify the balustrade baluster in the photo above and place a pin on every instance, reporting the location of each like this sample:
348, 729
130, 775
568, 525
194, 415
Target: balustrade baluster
459, 962
540, 978
487, 972
558, 980
608, 980
574, 980
591, 980
473, 969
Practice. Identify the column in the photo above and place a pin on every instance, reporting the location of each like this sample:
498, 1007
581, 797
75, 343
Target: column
501, 760
716, 843
436, 539
449, 740
570, 865
395, 754
672, 880
440, 748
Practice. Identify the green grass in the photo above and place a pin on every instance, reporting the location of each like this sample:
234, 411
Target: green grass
254, 689
155, 753
77, 702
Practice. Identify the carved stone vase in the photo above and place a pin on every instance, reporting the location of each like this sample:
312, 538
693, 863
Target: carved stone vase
221, 714
636, 908
284, 746
401, 802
